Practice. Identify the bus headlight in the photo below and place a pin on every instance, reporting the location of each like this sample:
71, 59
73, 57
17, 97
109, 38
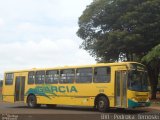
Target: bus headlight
134, 99
148, 100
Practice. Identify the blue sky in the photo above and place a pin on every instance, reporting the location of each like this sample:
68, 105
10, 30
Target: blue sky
40, 33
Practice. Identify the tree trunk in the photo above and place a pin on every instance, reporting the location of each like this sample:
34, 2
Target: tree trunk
153, 79
153, 91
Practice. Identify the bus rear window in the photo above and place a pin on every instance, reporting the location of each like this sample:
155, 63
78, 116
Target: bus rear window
9, 79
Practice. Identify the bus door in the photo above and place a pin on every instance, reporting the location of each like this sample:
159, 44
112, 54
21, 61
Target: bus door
121, 88
19, 88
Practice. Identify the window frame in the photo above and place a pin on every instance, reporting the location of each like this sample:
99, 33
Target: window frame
46, 77
66, 76
41, 76
12, 79
32, 78
91, 81
107, 75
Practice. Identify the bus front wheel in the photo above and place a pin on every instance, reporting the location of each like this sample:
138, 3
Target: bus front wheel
102, 104
32, 102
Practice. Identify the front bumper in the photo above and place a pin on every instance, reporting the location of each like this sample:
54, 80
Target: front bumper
133, 104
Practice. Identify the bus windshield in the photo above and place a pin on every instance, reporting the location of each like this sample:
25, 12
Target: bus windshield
138, 81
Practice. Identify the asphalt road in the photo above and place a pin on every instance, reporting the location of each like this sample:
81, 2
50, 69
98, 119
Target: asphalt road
20, 111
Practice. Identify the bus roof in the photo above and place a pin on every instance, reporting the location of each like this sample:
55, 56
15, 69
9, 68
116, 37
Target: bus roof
80, 66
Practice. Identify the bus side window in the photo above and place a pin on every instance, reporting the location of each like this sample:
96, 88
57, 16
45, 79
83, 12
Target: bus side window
9, 79
84, 75
31, 77
40, 76
102, 74
52, 77
67, 76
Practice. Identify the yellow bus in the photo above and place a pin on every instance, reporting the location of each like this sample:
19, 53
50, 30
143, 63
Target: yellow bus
103, 85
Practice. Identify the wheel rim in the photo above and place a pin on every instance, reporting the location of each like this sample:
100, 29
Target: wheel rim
31, 102
101, 104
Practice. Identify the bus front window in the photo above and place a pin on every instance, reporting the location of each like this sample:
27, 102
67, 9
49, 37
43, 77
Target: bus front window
137, 81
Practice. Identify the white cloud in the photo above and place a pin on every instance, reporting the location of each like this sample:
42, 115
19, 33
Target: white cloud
45, 53
24, 26
40, 33
39, 9
2, 23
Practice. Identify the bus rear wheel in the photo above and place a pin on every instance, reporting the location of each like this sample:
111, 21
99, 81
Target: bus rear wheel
102, 104
32, 102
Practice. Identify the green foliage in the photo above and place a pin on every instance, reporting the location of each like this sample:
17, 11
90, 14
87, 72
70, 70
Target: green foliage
111, 29
123, 30
153, 55
152, 60
1, 83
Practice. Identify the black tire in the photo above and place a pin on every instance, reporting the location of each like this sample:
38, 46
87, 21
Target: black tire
102, 104
51, 105
32, 102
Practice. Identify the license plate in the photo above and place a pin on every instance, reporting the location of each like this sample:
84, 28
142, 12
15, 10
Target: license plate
143, 104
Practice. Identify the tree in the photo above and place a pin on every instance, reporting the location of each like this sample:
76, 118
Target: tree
152, 60
120, 29
1, 83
